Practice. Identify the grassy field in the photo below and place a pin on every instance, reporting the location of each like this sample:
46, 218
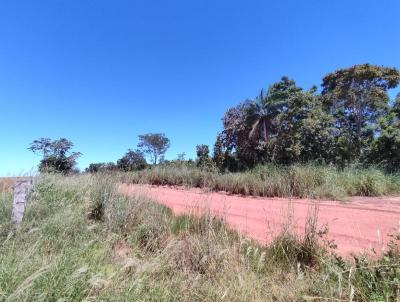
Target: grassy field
81, 241
274, 181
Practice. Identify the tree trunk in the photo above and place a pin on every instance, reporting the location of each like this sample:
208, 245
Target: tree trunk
359, 104
265, 129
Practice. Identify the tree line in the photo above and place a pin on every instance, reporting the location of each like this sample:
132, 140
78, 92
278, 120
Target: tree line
352, 120
57, 155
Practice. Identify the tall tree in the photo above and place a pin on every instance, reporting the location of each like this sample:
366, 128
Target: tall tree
305, 130
267, 106
357, 97
155, 145
261, 118
284, 125
56, 155
235, 136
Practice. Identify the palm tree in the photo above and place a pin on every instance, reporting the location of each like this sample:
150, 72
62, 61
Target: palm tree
260, 117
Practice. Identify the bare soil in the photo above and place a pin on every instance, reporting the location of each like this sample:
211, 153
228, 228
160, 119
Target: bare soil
358, 226
7, 183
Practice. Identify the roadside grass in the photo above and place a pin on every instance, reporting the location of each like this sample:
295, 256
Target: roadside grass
5, 212
82, 241
277, 181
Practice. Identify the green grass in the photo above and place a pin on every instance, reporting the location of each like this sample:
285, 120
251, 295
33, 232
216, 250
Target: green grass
275, 181
81, 241
5, 212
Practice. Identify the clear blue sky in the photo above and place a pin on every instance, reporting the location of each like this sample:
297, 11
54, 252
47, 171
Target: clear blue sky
102, 72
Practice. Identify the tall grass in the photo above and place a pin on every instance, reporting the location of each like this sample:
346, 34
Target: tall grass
81, 241
5, 212
276, 181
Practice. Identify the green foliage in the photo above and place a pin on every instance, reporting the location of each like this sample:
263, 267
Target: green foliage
357, 97
5, 213
101, 167
53, 254
386, 149
348, 123
133, 160
155, 145
57, 156
285, 125
204, 161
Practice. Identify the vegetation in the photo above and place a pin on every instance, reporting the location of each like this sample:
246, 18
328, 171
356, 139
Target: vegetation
57, 155
346, 124
386, 149
204, 161
342, 142
101, 167
288, 141
357, 97
277, 181
132, 160
155, 145
81, 241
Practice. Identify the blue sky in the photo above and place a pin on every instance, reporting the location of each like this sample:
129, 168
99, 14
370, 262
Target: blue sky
102, 72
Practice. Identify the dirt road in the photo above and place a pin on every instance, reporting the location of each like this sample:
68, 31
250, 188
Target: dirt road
356, 226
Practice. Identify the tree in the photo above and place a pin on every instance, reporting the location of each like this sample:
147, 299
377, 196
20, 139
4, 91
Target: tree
264, 111
284, 99
155, 145
202, 151
235, 136
181, 157
287, 124
304, 131
223, 159
57, 155
219, 153
261, 118
133, 160
357, 97
203, 156
386, 149
284, 125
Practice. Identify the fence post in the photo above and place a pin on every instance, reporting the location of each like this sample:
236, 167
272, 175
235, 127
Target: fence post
21, 192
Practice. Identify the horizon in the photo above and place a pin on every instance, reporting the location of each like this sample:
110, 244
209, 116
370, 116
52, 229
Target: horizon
102, 74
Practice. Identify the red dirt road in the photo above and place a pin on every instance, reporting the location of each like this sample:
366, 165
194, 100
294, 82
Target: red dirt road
356, 226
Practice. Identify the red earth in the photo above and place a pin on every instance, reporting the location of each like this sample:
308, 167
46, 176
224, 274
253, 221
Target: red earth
358, 226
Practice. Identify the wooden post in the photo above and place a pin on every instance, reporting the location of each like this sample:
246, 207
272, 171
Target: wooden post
21, 192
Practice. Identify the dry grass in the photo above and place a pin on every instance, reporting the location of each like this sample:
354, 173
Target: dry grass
81, 241
276, 181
